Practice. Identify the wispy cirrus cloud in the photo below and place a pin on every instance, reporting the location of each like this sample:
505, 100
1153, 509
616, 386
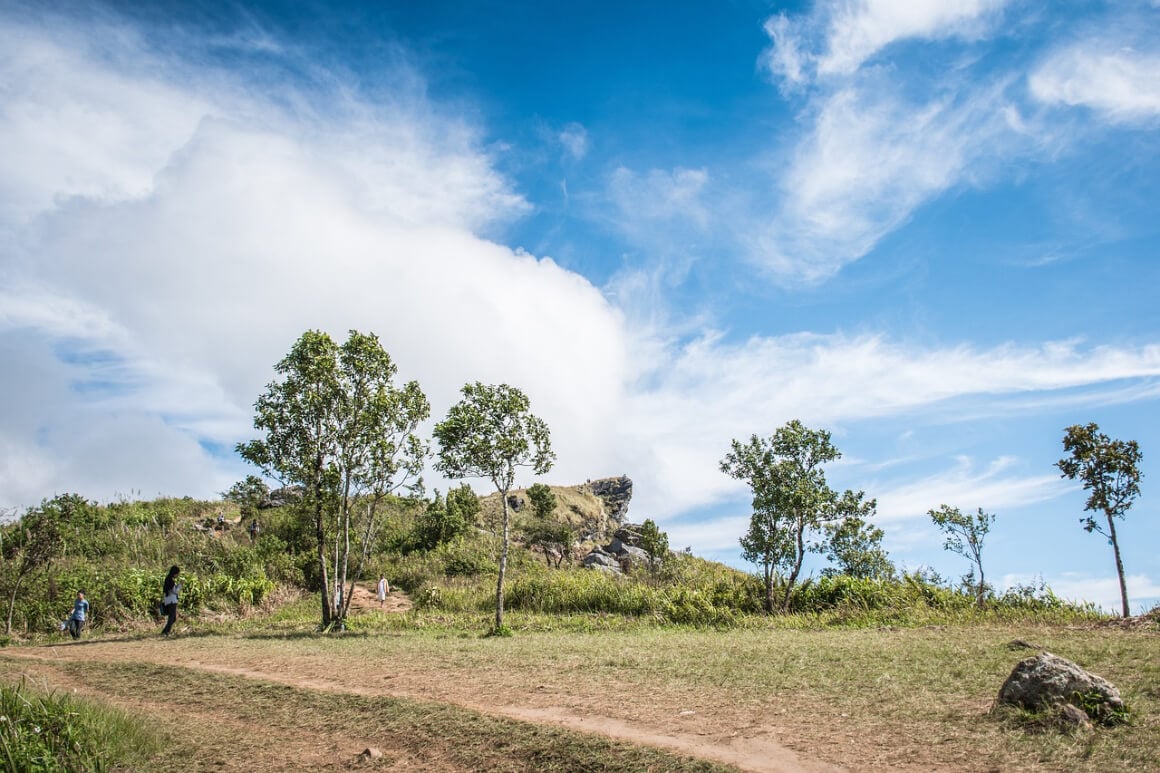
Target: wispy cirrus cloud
869, 160
996, 486
837, 38
661, 194
1121, 84
878, 142
677, 424
574, 138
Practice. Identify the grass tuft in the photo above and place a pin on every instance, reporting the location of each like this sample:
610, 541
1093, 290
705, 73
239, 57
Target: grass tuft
53, 732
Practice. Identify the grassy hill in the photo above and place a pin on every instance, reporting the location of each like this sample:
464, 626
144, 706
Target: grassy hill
118, 554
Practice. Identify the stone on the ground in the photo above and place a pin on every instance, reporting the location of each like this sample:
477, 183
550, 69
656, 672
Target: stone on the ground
1048, 681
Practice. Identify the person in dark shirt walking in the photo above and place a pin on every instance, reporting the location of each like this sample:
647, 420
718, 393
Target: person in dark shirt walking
170, 590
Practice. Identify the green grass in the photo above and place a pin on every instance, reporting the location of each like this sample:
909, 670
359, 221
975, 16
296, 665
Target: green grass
54, 732
862, 698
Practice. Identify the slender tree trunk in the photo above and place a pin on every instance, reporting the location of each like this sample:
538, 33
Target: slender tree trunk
768, 585
320, 536
12, 604
503, 556
346, 592
797, 565
976, 551
1119, 566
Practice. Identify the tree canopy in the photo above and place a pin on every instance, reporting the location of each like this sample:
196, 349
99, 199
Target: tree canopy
965, 534
491, 433
1110, 472
790, 500
337, 424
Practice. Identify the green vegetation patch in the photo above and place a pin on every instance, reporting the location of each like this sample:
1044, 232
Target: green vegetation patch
54, 732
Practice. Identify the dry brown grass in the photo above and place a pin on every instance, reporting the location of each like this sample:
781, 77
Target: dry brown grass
575, 505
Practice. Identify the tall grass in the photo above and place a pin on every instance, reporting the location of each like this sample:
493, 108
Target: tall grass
690, 591
55, 732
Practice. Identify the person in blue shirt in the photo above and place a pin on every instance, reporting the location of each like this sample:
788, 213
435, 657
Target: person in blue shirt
76, 621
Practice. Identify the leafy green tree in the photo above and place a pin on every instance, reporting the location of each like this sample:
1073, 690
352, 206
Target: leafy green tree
248, 495
543, 500
965, 534
791, 499
336, 424
1110, 471
38, 542
445, 520
854, 545
463, 505
491, 433
552, 537
653, 541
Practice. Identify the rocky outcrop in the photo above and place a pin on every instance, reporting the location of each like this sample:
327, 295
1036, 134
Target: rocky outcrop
281, 497
615, 493
620, 555
1048, 682
601, 560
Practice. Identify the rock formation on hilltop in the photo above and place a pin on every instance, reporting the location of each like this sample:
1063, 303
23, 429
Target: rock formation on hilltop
615, 493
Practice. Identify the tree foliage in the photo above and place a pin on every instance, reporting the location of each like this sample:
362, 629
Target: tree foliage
854, 546
38, 542
336, 424
1110, 472
248, 495
491, 433
791, 499
965, 534
552, 537
543, 500
653, 541
445, 520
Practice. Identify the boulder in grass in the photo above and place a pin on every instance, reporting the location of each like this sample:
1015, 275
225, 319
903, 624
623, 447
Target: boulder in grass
1048, 682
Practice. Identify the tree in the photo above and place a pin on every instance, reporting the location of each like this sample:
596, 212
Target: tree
1110, 471
653, 541
552, 537
543, 500
790, 498
965, 535
248, 495
445, 520
39, 540
855, 546
337, 425
491, 433
463, 506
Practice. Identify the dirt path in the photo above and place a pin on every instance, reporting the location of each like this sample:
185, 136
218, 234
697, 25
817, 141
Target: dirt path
749, 745
365, 600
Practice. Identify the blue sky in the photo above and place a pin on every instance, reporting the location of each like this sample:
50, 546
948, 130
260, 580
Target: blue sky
928, 227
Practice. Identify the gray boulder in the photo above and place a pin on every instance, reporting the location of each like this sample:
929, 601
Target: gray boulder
598, 559
1048, 681
281, 497
633, 556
